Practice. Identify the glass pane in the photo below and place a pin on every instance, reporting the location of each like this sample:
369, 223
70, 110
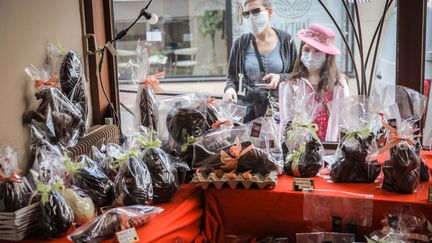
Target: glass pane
184, 41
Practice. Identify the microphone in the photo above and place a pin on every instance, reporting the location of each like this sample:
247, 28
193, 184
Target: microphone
151, 17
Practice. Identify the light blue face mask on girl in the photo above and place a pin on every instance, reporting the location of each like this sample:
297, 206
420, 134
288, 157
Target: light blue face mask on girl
313, 60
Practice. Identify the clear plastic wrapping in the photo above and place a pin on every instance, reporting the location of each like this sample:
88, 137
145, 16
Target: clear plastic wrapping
223, 150
303, 151
146, 109
56, 119
114, 220
167, 108
320, 206
87, 176
355, 158
56, 215
72, 80
13, 189
402, 108
163, 173
402, 225
133, 184
81, 204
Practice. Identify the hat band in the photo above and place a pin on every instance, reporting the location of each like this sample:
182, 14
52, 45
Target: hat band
317, 36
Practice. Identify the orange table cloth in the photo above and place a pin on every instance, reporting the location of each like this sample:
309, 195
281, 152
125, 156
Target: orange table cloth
281, 212
180, 221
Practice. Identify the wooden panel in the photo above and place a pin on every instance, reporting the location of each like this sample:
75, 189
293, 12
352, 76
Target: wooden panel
98, 21
410, 44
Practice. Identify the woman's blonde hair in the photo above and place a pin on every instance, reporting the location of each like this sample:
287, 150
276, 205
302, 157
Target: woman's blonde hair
264, 3
329, 74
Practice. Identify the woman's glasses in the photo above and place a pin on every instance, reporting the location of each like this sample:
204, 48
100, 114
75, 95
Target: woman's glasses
255, 12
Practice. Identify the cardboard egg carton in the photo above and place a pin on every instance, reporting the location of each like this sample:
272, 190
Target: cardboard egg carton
268, 181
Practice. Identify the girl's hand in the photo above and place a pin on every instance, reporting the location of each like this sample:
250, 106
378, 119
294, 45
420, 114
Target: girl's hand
274, 81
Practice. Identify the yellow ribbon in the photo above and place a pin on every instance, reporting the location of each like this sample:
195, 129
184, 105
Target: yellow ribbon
121, 158
148, 141
230, 161
350, 134
190, 140
71, 166
43, 189
295, 157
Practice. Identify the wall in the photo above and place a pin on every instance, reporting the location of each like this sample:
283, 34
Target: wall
25, 27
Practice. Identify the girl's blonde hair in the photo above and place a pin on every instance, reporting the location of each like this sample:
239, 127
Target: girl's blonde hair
329, 74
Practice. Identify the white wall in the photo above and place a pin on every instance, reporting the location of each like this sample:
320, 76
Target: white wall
25, 27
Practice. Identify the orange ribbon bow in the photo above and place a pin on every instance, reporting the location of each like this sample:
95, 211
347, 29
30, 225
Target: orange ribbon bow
230, 161
50, 82
220, 123
13, 178
153, 81
394, 139
212, 101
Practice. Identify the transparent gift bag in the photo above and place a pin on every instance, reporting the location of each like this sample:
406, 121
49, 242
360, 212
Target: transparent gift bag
114, 220
264, 134
164, 176
55, 119
402, 108
145, 105
56, 216
223, 114
231, 150
132, 183
355, 159
188, 106
14, 189
302, 148
85, 174
402, 224
332, 210
72, 80
81, 204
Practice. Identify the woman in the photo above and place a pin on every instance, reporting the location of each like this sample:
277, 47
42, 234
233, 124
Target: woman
316, 65
264, 57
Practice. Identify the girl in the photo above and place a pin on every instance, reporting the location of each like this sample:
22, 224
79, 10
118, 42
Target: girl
316, 65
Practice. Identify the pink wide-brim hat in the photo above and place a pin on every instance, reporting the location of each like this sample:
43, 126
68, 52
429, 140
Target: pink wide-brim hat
319, 37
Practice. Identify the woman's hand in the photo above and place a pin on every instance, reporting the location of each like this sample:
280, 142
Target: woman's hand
274, 81
230, 95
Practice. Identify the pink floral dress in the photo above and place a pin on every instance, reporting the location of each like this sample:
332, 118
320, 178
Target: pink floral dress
322, 114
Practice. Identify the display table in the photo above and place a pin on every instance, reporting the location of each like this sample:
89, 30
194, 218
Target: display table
281, 212
180, 221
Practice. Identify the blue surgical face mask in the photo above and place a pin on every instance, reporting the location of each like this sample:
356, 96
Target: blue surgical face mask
313, 60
